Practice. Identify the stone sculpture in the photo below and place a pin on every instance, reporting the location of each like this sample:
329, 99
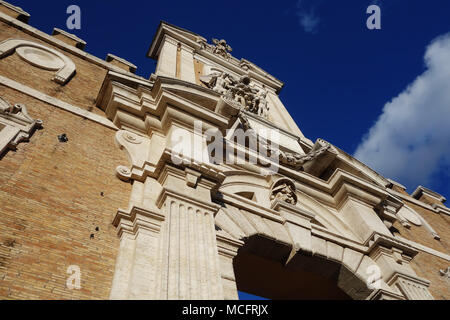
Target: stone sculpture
222, 48
284, 190
240, 92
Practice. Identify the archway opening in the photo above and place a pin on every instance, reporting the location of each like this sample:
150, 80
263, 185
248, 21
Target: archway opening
261, 270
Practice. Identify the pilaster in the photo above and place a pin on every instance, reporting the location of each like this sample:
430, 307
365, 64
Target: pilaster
228, 249
393, 257
189, 260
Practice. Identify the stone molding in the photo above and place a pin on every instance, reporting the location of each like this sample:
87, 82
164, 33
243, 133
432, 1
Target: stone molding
425, 249
385, 295
16, 12
79, 43
390, 242
56, 102
130, 221
441, 209
422, 190
228, 249
40, 56
130, 66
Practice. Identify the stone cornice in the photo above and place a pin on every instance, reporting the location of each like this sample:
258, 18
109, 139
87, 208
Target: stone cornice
118, 100
423, 282
422, 190
385, 295
250, 206
131, 220
110, 57
425, 249
22, 15
79, 43
441, 209
170, 192
436, 208
343, 241
227, 245
378, 239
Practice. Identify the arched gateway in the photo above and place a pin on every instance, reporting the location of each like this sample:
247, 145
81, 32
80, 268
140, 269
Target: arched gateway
228, 194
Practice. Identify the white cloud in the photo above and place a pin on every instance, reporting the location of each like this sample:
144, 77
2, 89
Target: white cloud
307, 17
410, 142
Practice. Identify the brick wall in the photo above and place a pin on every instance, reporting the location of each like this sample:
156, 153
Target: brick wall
426, 265
81, 91
51, 203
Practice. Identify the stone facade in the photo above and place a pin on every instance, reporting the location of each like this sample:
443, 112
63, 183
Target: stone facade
91, 176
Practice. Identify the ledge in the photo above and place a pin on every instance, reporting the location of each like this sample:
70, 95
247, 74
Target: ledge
417, 194
128, 66
19, 13
55, 102
78, 43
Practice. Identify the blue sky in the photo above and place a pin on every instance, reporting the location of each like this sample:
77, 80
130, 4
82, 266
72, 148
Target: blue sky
380, 94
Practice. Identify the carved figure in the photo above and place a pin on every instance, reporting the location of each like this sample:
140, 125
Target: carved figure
239, 91
284, 190
222, 48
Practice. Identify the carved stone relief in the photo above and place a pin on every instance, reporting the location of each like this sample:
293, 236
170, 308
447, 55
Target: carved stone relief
239, 92
220, 48
284, 190
40, 56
